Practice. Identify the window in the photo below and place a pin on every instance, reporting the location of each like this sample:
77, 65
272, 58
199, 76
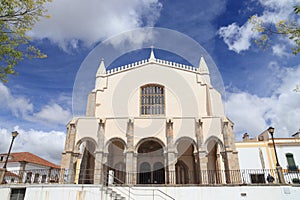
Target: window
44, 177
152, 100
291, 162
17, 193
36, 178
28, 177
257, 178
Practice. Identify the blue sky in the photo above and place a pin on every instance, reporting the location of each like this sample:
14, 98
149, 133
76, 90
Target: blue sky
259, 83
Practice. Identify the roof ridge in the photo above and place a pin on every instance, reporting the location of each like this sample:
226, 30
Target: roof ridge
148, 61
32, 158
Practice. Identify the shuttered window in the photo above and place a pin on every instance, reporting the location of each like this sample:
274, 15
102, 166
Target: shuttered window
152, 100
291, 162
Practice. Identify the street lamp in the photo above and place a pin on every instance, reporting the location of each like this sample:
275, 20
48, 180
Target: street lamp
14, 135
271, 131
278, 167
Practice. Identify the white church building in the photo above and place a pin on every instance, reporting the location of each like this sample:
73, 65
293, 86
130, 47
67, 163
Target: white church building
155, 129
152, 122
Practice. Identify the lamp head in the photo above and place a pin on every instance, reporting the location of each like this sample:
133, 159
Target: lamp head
14, 134
271, 130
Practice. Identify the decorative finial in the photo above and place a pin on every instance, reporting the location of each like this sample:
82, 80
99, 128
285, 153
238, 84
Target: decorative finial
152, 57
203, 66
101, 68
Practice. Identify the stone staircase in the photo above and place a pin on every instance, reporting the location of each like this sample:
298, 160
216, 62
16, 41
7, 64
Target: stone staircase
109, 193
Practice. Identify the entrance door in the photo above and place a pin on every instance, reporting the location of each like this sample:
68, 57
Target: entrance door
145, 173
158, 173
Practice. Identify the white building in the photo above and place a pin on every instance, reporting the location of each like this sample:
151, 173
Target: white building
25, 167
157, 122
152, 121
258, 153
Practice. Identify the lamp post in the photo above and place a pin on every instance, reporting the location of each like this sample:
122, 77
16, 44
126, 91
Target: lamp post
278, 167
14, 135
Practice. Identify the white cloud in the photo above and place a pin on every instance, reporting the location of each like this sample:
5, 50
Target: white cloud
20, 107
48, 145
53, 113
238, 38
280, 50
90, 21
254, 114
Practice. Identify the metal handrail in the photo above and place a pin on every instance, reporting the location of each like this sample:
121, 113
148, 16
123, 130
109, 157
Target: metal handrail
131, 187
203, 177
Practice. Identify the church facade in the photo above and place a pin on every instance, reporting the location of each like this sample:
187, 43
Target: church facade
152, 122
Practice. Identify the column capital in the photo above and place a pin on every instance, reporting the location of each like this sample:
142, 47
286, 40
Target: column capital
101, 120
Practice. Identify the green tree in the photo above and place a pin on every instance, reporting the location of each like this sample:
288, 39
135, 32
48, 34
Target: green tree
17, 17
285, 28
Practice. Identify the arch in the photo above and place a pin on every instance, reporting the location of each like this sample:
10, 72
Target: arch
215, 139
85, 139
86, 160
214, 147
115, 148
145, 173
150, 161
158, 173
137, 146
152, 84
186, 169
111, 140
192, 141
181, 172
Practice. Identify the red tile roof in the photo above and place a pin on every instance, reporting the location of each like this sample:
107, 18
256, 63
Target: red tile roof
30, 158
8, 173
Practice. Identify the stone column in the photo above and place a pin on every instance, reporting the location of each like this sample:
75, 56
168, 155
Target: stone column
199, 134
203, 174
218, 168
2, 174
198, 158
130, 157
69, 155
230, 155
22, 179
171, 154
98, 168
105, 167
131, 168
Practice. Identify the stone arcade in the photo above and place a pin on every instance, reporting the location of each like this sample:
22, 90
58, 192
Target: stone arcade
152, 122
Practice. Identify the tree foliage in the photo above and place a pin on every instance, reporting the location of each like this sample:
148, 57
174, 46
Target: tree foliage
17, 17
285, 28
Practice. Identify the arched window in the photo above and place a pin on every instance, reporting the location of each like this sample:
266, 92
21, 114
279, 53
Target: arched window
145, 173
152, 100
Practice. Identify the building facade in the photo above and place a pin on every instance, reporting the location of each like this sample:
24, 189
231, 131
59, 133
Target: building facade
25, 167
151, 122
258, 153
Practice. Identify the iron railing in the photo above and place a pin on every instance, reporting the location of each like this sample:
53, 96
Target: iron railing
32, 176
132, 192
161, 177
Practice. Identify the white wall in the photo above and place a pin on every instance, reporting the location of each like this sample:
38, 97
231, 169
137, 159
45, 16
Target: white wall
282, 150
184, 96
93, 192
11, 166
249, 156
